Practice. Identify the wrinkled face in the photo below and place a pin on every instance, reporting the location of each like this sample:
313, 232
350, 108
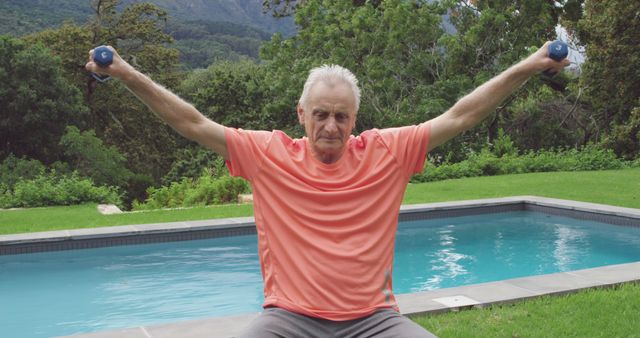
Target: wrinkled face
328, 116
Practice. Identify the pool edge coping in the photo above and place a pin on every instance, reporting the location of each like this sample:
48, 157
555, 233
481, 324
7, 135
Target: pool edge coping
217, 224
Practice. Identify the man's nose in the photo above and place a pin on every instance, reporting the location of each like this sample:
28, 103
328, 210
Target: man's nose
331, 125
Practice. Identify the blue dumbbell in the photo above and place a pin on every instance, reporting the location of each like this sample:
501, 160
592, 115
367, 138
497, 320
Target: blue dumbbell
558, 51
103, 57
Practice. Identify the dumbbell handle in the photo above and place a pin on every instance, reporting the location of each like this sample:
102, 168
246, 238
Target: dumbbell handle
103, 57
558, 51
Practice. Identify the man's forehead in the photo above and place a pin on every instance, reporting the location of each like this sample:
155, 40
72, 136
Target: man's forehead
331, 95
330, 104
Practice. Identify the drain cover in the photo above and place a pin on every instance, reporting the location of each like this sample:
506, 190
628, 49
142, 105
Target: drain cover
456, 301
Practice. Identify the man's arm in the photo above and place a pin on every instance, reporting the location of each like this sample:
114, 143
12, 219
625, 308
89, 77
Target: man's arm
180, 115
482, 101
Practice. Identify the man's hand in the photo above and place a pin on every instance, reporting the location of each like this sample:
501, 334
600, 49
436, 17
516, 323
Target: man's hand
540, 61
118, 69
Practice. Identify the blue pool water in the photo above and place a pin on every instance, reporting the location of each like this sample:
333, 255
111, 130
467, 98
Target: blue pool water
66, 292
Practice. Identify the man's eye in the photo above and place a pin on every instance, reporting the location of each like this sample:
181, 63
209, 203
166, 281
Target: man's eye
321, 115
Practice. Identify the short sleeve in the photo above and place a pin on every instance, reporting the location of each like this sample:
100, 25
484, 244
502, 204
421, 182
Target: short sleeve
408, 145
246, 148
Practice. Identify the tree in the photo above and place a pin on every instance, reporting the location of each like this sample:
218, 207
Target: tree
610, 78
391, 47
232, 93
117, 117
413, 66
14, 169
202, 43
281, 8
491, 36
92, 158
36, 101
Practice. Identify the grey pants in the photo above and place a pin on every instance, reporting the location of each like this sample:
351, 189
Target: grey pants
276, 322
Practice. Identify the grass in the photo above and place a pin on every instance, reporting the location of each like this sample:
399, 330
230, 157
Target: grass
614, 187
610, 312
87, 216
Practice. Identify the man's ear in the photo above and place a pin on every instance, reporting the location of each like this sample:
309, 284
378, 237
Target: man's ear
300, 112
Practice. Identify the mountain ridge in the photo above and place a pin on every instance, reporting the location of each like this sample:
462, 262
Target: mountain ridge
20, 17
205, 31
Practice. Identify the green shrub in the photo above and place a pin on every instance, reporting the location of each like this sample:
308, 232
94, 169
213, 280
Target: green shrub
591, 157
542, 161
165, 197
191, 161
488, 163
205, 190
432, 172
624, 138
52, 189
215, 191
503, 145
92, 158
136, 189
13, 169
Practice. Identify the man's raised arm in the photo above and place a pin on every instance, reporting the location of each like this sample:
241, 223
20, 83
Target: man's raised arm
478, 104
180, 115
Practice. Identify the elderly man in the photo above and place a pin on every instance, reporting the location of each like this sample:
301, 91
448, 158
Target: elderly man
326, 205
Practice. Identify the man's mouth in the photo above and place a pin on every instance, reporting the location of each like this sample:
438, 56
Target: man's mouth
331, 139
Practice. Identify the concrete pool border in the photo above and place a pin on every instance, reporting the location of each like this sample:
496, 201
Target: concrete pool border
441, 300
191, 230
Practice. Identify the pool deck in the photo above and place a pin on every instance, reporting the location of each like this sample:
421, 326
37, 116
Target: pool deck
436, 301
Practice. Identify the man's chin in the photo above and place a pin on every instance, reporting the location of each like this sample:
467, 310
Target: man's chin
329, 145
329, 148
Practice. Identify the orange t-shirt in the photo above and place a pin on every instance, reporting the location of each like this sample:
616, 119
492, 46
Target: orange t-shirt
326, 232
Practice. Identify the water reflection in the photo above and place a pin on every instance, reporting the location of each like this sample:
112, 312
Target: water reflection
446, 261
570, 243
503, 252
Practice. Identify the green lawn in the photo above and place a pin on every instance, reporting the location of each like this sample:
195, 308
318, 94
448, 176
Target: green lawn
87, 216
615, 187
612, 312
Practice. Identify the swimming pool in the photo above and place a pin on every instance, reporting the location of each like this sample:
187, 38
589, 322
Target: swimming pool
56, 293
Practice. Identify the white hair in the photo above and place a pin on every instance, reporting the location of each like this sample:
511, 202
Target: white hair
330, 74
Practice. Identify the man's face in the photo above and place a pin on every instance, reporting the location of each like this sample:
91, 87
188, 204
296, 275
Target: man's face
328, 116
